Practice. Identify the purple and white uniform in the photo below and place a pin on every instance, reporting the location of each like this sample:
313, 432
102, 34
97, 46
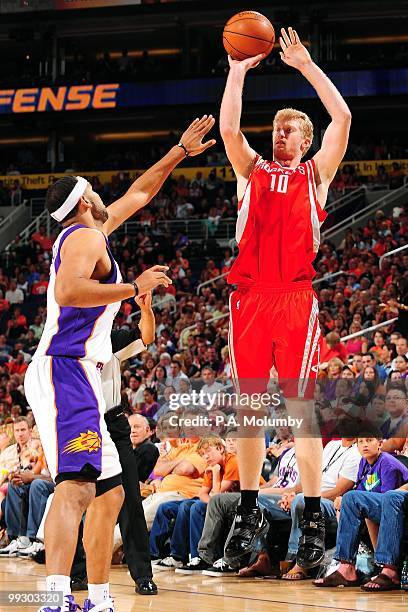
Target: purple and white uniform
63, 382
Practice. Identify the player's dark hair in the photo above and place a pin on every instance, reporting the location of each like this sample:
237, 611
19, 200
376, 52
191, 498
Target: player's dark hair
58, 193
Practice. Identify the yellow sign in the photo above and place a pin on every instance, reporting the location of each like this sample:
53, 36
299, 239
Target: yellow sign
43, 181
370, 167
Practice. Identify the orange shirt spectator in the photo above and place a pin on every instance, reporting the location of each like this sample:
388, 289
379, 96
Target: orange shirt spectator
228, 471
187, 486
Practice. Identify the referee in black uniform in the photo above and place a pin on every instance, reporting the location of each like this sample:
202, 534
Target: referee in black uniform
135, 537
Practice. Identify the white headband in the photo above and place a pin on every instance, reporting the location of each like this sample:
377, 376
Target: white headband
72, 200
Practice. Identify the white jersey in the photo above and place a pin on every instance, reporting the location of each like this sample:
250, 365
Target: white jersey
111, 378
76, 332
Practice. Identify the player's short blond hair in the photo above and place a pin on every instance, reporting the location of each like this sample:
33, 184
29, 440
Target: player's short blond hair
306, 126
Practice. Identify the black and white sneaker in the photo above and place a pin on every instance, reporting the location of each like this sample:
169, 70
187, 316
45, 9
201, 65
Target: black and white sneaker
167, 564
195, 566
311, 543
246, 530
220, 568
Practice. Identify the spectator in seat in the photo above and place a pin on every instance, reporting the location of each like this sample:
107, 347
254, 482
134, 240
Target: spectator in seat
165, 361
17, 326
17, 365
401, 347
40, 287
397, 408
181, 470
41, 238
221, 475
176, 375
26, 500
332, 347
135, 392
401, 365
145, 451
210, 387
37, 327
14, 295
221, 509
379, 341
369, 360
356, 345
211, 359
357, 363
339, 474
150, 405
375, 502
165, 407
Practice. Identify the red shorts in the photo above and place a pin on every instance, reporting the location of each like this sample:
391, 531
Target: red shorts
275, 327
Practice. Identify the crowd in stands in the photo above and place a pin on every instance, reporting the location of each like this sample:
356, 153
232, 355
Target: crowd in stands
192, 479
142, 155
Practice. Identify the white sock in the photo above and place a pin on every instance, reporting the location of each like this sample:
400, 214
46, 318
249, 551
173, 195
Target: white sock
57, 582
98, 593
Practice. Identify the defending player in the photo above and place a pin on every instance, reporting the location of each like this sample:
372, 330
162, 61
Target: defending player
63, 383
274, 312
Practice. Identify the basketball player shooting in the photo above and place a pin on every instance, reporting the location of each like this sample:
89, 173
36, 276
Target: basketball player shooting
274, 311
63, 382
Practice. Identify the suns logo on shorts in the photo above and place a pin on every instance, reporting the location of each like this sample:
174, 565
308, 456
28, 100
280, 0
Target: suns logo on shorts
89, 441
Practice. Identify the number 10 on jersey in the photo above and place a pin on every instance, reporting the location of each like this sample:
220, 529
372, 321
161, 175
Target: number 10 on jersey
281, 184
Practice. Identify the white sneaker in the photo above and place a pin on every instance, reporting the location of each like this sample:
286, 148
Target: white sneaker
167, 564
105, 606
13, 549
31, 550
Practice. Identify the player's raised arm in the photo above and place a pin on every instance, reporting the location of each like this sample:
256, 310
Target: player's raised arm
80, 254
239, 153
146, 186
335, 140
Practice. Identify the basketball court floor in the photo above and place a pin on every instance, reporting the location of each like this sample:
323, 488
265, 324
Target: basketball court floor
185, 593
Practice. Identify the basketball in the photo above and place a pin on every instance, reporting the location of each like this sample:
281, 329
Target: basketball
247, 34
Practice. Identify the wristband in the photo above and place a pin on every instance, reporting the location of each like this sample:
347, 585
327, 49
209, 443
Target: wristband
135, 287
180, 144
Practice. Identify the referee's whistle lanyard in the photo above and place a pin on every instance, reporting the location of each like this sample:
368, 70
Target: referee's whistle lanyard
334, 457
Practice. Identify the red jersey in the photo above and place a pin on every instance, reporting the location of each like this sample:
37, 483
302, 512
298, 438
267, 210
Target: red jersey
278, 226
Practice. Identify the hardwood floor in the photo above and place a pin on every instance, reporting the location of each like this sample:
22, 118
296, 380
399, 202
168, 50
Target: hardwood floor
185, 593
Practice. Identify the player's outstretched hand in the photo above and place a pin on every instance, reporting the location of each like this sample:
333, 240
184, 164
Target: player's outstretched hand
293, 52
246, 64
192, 138
144, 301
151, 278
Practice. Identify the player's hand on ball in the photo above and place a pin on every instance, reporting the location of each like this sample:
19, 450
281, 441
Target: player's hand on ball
293, 52
144, 301
192, 138
246, 64
151, 278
